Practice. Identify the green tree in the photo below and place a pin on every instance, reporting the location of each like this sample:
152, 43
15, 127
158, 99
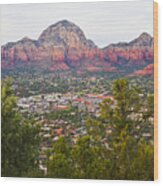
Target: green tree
116, 145
19, 137
59, 163
129, 118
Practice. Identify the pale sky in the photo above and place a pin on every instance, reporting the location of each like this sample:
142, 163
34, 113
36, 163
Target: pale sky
102, 22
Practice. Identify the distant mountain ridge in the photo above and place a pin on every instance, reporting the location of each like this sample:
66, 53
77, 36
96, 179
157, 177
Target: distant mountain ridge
63, 46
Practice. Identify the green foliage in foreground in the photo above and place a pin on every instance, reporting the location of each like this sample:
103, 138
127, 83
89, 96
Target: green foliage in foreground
19, 138
114, 147
124, 153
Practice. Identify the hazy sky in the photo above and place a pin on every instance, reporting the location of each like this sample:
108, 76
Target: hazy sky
103, 22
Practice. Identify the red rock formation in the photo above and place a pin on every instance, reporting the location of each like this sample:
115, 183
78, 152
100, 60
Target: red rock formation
64, 45
136, 51
148, 70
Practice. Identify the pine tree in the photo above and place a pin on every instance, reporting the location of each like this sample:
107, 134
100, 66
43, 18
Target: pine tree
19, 139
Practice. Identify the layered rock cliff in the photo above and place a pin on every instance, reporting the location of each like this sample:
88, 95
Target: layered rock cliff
63, 46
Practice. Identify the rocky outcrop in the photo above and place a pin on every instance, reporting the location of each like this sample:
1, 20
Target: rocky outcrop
63, 46
148, 70
136, 52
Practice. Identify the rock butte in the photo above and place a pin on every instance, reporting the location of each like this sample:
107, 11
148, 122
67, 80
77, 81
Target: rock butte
63, 46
